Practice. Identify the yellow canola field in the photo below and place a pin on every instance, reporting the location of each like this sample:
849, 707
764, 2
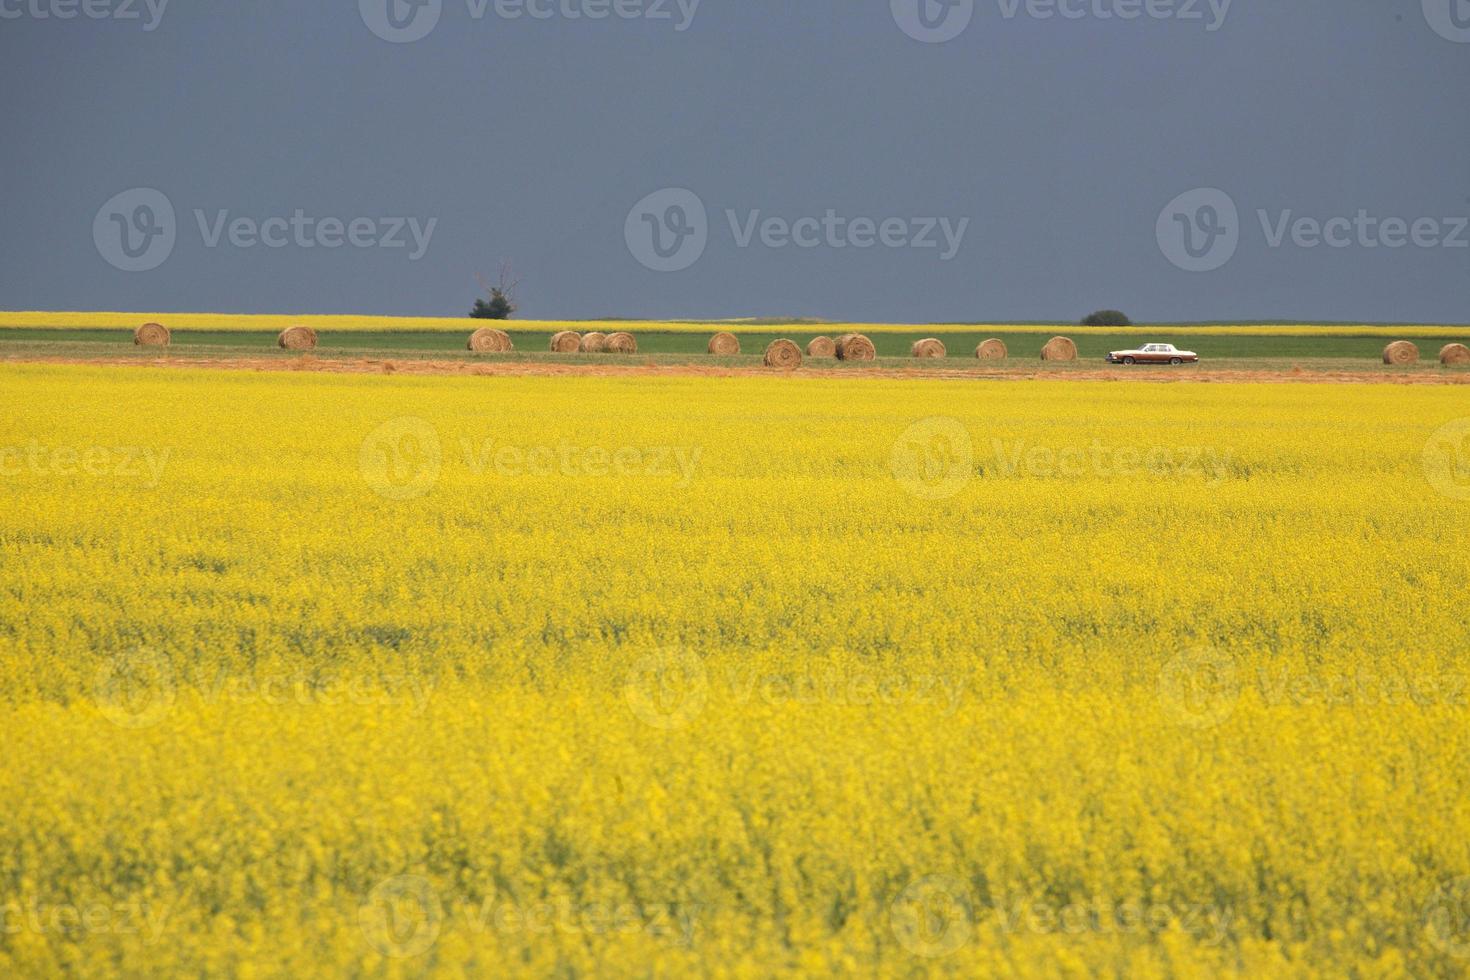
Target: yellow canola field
333, 323
738, 677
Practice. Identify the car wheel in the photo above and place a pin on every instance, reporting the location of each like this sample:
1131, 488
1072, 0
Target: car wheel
1127, 360
1176, 360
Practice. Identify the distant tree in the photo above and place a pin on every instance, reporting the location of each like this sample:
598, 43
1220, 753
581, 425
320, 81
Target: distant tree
501, 303
1106, 318
498, 307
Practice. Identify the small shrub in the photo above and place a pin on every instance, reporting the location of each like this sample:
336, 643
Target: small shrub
1107, 318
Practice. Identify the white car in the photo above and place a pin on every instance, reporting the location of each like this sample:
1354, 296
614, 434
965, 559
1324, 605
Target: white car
1154, 354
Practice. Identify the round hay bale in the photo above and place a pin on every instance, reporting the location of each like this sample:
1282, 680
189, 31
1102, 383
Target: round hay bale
1400, 352
297, 338
152, 335
783, 354
566, 342
1059, 349
621, 343
855, 347
928, 347
724, 345
594, 342
821, 347
489, 340
1454, 354
992, 350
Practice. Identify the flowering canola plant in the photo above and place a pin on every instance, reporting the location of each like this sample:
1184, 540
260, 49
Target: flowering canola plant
732, 676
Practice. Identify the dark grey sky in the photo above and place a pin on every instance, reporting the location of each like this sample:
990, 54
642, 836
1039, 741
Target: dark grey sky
1049, 147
